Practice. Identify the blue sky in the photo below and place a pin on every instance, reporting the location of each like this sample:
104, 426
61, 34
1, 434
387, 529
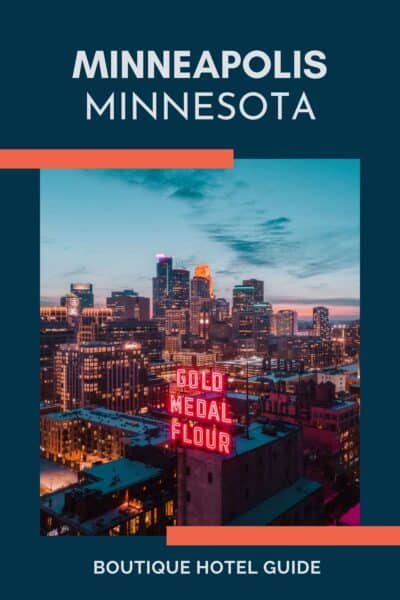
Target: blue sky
292, 223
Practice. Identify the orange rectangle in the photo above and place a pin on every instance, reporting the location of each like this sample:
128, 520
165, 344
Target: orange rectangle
116, 159
283, 536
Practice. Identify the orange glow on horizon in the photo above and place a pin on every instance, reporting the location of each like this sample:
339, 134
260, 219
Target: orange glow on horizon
304, 311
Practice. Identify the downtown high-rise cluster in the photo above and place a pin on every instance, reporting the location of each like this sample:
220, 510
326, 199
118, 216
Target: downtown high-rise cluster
107, 373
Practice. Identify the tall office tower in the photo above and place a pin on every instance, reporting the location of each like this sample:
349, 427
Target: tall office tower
145, 333
199, 322
91, 322
53, 333
286, 322
258, 288
253, 323
176, 321
127, 304
262, 325
102, 374
204, 271
84, 291
243, 297
200, 288
204, 321
180, 293
72, 303
162, 285
321, 325
220, 309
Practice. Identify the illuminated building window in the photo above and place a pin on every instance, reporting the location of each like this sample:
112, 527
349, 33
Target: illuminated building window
133, 526
169, 508
147, 518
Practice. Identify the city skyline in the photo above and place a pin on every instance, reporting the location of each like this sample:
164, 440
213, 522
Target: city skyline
292, 223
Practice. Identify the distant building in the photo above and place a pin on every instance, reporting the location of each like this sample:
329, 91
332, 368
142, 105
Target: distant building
286, 322
91, 322
180, 294
162, 285
145, 333
204, 271
53, 313
176, 321
258, 288
220, 309
254, 323
72, 303
321, 325
352, 338
127, 304
84, 291
243, 297
192, 358
199, 288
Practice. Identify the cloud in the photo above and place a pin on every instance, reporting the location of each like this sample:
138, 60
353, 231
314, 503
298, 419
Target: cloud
277, 242
315, 301
255, 243
226, 272
278, 224
80, 270
192, 186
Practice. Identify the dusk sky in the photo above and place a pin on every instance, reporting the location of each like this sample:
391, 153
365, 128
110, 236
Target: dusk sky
292, 223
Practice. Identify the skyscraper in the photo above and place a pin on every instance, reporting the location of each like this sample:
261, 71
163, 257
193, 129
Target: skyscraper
203, 270
258, 286
243, 297
162, 285
84, 291
286, 322
321, 325
220, 309
180, 293
200, 288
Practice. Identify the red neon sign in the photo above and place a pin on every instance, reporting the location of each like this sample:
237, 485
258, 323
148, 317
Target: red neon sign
200, 422
200, 380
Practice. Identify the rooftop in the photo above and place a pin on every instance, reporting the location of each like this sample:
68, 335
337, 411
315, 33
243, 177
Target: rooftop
107, 478
143, 429
261, 434
269, 510
119, 474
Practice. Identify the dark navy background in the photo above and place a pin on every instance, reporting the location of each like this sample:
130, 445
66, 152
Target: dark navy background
42, 107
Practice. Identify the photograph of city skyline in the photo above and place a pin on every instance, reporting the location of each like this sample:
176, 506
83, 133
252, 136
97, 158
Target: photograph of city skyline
199, 347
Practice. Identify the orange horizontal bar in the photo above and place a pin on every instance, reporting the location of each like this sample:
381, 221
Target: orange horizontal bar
116, 159
283, 536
